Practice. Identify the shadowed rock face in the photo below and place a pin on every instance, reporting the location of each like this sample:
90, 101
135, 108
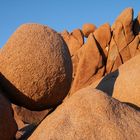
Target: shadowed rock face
28, 116
8, 125
123, 84
90, 114
111, 46
36, 61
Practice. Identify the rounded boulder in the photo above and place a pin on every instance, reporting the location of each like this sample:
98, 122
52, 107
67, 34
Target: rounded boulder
36, 69
88, 28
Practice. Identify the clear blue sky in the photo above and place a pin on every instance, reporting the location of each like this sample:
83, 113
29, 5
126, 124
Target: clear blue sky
59, 14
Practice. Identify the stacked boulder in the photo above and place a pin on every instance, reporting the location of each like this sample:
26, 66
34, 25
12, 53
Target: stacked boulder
36, 71
72, 86
106, 48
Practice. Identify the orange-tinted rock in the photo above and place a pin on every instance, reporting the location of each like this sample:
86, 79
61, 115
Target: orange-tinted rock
72, 42
119, 36
8, 126
37, 65
30, 117
113, 53
133, 46
77, 33
125, 54
97, 76
103, 36
123, 84
88, 28
117, 63
90, 115
65, 34
73, 45
137, 52
19, 122
120, 40
86, 65
126, 19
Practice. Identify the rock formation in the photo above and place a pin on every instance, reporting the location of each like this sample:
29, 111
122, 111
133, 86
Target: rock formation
90, 114
123, 84
82, 84
88, 28
37, 64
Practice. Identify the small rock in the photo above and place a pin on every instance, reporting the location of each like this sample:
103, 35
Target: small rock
88, 28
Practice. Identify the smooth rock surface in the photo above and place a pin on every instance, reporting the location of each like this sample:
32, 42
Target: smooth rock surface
90, 115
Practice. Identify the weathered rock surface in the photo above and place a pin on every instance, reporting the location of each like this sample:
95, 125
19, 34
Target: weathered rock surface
88, 28
123, 84
125, 19
86, 63
74, 40
36, 63
77, 33
122, 36
103, 37
90, 114
8, 126
133, 46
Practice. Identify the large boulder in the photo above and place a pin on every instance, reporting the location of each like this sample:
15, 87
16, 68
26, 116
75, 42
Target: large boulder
8, 126
90, 114
124, 83
88, 28
86, 63
125, 19
36, 67
122, 36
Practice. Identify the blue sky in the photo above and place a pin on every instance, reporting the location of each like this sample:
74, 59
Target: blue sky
59, 14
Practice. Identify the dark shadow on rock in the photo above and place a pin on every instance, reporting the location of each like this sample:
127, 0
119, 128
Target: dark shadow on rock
25, 132
18, 98
132, 105
136, 27
107, 83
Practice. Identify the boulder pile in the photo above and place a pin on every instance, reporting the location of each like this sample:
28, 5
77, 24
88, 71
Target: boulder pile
114, 46
74, 85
